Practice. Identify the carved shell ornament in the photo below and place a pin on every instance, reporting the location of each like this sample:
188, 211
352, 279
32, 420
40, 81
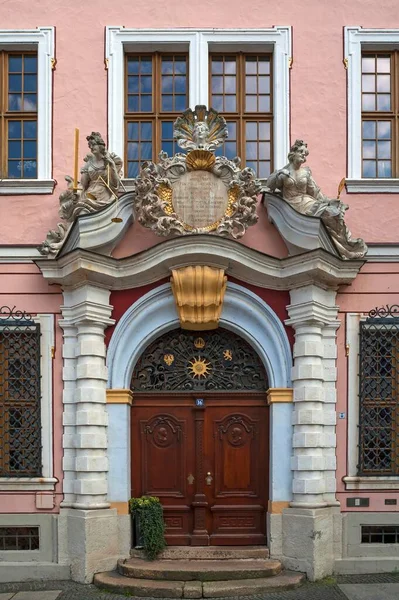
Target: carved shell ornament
197, 192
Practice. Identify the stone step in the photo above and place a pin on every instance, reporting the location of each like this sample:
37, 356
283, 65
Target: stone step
199, 570
115, 582
208, 553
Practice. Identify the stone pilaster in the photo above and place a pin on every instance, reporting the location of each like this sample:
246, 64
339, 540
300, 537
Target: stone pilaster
87, 309
308, 525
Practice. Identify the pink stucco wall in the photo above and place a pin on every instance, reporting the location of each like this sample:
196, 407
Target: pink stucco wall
318, 87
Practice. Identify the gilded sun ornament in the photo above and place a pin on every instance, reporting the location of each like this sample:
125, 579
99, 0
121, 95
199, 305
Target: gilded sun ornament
199, 367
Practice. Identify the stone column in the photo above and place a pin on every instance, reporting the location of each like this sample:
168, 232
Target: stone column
89, 526
308, 523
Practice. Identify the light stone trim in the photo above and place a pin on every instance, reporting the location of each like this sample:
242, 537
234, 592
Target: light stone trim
355, 39
120, 396
313, 315
370, 185
41, 39
277, 507
199, 42
86, 314
280, 395
122, 508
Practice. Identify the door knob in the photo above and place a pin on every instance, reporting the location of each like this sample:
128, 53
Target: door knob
208, 478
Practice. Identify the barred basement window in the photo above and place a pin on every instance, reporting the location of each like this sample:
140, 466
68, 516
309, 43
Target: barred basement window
20, 430
19, 538
380, 534
378, 394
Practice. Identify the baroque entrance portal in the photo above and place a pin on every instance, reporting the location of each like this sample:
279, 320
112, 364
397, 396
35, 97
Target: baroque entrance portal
200, 437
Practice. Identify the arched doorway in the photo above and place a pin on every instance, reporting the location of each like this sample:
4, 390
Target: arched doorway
199, 436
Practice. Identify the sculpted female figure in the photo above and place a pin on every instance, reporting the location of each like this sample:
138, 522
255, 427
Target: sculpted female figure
298, 188
99, 181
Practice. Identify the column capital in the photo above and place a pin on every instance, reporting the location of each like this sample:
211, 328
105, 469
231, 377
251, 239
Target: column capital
312, 305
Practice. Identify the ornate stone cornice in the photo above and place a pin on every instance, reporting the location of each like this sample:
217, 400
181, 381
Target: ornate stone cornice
245, 264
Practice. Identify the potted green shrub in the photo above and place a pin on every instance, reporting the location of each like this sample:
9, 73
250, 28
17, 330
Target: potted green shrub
147, 514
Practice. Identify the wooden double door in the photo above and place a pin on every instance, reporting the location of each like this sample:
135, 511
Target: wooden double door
206, 458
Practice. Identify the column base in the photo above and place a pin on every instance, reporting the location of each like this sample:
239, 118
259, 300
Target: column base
92, 541
310, 540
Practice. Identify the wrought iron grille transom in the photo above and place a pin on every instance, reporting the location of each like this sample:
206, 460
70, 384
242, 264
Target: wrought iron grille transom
20, 428
216, 360
379, 392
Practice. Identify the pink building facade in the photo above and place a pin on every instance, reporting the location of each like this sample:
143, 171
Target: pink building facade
77, 321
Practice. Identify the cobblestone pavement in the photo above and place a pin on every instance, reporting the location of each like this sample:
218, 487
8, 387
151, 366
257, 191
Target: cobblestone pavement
327, 589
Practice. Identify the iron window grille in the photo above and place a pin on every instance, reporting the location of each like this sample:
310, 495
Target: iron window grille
378, 393
380, 534
20, 423
19, 538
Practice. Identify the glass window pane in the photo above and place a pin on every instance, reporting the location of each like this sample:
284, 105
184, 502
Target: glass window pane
132, 169
133, 84
384, 168
384, 129
230, 84
30, 64
264, 150
264, 65
146, 65
251, 150
384, 149
14, 149
146, 84
30, 102
217, 66
368, 83
30, 168
232, 130
167, 67
369, 150
14, 129
15, 83
132, 65
369, 168
133, 131
230, 104
368, 102
145, 103
167, 147
264, 103
146, 131
264, 169
264, 131
251, 130
251, 65
230, 66
217, 84
30, 149
14, 169
14, 102
167, 103
264, 85
369, 129
368, 64
230, 149
383, 83
180, 85
180, 65
167, 130
251, 104
15, 63
251, 86
217, 103
133, 103
132, 151
180, 103
383, 102
146, 150
167, 84
252, 165
30, 83
384, 64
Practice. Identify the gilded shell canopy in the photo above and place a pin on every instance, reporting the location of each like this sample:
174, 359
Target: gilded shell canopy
200, 129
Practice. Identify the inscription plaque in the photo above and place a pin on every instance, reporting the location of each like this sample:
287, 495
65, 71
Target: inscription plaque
200, 199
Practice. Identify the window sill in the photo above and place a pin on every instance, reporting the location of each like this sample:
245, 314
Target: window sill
371, 483
26, 186
376, 186
16, 484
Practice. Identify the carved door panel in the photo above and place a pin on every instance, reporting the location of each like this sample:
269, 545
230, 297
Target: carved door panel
236, 473
163, 464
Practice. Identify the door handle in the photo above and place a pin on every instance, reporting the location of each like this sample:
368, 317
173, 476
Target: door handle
208, 478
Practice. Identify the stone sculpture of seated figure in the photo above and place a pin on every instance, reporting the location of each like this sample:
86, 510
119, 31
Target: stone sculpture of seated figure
299, 189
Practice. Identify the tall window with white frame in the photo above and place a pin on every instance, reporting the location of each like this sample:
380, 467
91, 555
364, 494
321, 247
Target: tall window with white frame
18, 115
156, 93
240, 87
380, 114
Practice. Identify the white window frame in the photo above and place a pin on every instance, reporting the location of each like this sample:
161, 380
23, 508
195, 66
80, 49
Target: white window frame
42, 41
47, 481
199, 42
352, 480
356, 40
